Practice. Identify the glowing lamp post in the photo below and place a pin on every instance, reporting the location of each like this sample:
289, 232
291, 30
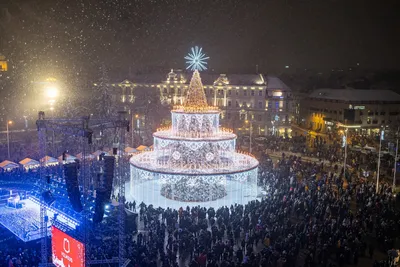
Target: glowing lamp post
381, 137
8, 138
395, 160
52, 92
136, 116
344, 141
344, 144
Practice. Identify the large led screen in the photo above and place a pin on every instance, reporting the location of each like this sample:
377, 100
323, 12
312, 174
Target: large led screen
66, 251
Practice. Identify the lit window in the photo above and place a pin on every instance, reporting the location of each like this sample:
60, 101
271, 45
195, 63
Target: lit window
276, 93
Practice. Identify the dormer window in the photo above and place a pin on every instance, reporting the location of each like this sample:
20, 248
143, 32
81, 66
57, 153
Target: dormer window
222, 80
277, 93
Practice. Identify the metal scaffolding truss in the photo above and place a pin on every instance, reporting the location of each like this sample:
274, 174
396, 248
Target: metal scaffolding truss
84, 128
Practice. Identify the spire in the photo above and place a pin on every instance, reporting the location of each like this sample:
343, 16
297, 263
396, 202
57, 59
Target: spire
195, 97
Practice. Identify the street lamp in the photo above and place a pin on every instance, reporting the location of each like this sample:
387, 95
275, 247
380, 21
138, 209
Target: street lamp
381, 137
52, 92
395, 160
137, 126
251, 132
344, 142
345, 151
8, 138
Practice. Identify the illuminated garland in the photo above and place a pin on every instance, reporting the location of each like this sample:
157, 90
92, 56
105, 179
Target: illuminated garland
196, 109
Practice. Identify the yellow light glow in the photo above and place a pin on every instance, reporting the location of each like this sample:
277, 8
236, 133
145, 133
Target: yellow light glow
52, 92
10, 122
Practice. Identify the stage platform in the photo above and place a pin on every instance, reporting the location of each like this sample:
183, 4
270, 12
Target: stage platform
25, 222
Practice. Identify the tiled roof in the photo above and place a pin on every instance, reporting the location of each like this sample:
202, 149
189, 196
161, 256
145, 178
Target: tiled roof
272, 82
358, 95
276, 83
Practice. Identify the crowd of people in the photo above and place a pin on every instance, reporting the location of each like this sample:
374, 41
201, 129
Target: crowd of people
307, 222
312, 215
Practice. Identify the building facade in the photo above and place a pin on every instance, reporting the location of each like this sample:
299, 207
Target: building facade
366, 110
256, 102
3, 64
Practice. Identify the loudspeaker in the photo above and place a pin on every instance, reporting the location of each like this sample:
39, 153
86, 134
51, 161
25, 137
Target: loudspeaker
99, 206
48, 198
71, 180
109, 163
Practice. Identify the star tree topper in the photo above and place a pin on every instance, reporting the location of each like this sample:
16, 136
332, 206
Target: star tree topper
196, 59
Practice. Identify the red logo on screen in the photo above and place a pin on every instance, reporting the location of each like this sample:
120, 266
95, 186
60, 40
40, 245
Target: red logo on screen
66, 245
66, 251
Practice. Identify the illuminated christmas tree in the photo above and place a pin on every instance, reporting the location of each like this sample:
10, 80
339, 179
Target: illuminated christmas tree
195, 160
195, 97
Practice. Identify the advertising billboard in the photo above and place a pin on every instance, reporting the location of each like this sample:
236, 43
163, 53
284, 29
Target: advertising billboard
66, 251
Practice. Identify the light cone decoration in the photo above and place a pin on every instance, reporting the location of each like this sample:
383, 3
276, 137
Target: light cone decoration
195, 96
196, 100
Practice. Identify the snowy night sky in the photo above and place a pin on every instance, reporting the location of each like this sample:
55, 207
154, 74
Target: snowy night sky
67, 37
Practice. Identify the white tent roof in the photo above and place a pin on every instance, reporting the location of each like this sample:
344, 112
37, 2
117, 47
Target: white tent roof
88, 156
69, 158
8, 165
48, 159
130, 150
141, 148
29, 162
